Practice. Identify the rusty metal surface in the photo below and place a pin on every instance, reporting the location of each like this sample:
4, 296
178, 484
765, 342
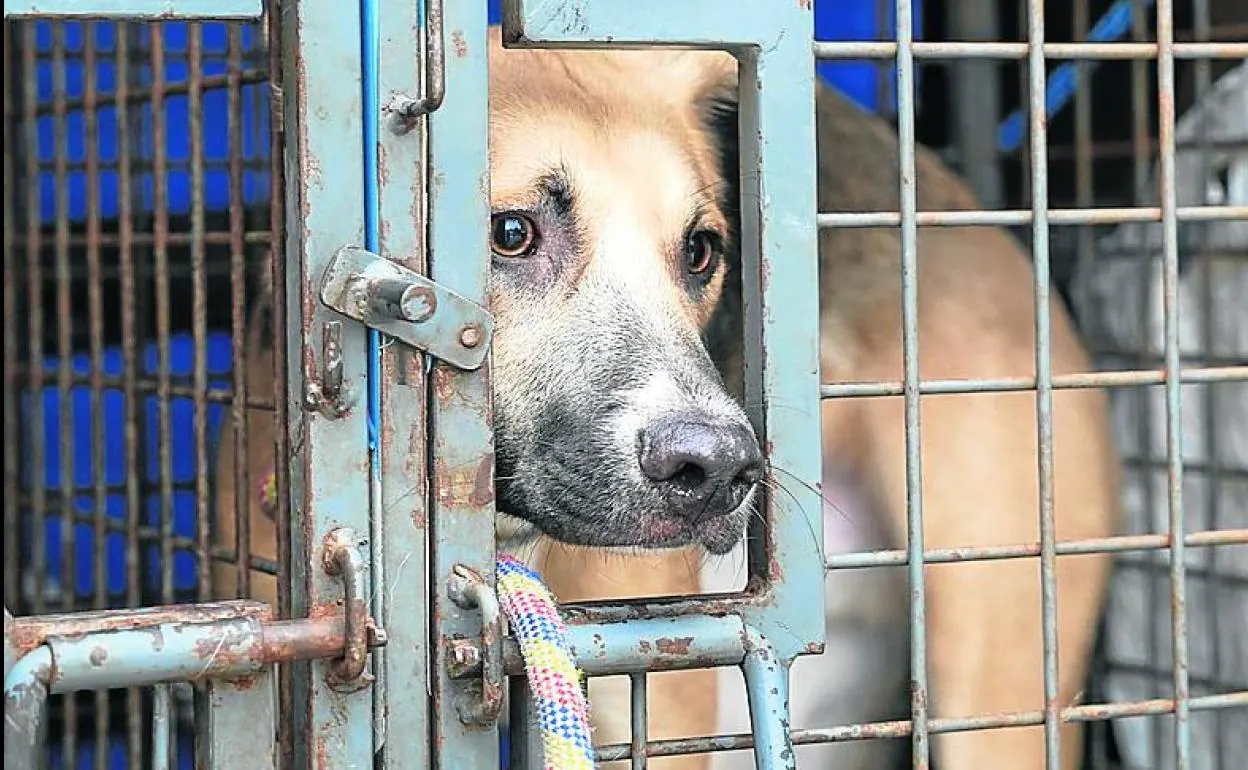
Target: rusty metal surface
460, 416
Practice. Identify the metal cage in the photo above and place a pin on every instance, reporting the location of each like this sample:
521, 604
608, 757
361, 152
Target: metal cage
160, 174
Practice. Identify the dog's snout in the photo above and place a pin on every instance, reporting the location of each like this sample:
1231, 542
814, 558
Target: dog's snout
706, 468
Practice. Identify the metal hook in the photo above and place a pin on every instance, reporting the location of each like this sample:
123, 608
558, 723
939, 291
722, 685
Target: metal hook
406, 109
469, 590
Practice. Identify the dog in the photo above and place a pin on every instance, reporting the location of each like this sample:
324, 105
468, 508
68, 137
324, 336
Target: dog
624, 456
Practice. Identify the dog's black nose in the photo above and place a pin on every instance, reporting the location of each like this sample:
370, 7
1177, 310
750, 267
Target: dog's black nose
705, 469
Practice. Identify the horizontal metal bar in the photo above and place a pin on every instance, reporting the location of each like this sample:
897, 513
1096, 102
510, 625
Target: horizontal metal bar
1019, 217
996, 50
149, 386
137, 10
1116, 544
901, 728
31, 631
1081, 380
664, 644
170, 652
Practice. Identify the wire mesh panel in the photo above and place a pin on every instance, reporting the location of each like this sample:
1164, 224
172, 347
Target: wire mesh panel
138, 161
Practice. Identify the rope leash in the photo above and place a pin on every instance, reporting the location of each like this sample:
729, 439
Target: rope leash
554, 679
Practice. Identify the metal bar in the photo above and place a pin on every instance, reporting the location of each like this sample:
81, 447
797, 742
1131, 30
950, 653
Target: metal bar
975, 89
639, 732
1116, 544
461, 471
767, 687
1022, 217
162, 727
25, 694
641, 644
938, 726
177, 650
1038, 138
281, 374
1213, 406
999, 50
67, 472
239, 723
1060, 382
910, 385
138, 95
136, 10
328, 451
1173, 386
95, 310
149, 386
160, 207
129, 357
238, 311
199, 311
402, 398
525, 741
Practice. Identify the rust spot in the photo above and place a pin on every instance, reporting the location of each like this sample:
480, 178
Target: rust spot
460, 45
98, 656
443, 383
804, 4
483, 486
678, 646
644, 646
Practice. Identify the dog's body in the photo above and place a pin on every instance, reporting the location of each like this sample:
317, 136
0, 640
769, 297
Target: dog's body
622, 161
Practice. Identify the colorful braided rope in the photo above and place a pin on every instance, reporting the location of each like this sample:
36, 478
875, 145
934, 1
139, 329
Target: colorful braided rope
554, 680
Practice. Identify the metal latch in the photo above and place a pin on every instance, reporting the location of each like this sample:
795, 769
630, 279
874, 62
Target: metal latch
388, 297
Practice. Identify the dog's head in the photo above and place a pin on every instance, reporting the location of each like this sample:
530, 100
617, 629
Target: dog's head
614, 239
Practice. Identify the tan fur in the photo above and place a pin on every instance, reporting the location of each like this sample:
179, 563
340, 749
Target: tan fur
979, 451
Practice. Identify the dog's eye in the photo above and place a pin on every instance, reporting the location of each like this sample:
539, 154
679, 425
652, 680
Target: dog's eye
512, 235
700, 251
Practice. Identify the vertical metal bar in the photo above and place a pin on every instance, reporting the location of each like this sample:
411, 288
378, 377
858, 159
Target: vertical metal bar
65, 367
525, 742
240, 723
160, 238
767, 687
238, 310
1084, 189
976, 91
162, 708
1201, 24
34, 309
639, 731
910, 386
1173, 387
462, 460
199, 306
1038, 138
277, 277
328, 457
12, 418
129, 358
95, 310
402, 397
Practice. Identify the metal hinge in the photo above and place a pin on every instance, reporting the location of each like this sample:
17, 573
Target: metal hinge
407, 306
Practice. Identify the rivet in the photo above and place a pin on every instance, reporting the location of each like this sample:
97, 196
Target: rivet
470, 336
